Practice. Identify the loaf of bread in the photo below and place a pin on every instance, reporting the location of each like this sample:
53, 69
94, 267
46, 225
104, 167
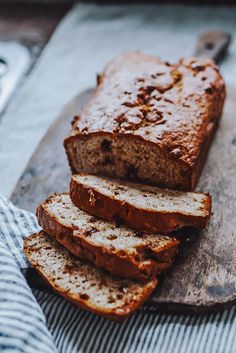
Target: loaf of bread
119, 250
139, 206
149, 121
83, 284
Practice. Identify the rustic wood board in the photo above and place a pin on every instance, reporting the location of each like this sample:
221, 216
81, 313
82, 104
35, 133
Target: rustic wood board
204, 276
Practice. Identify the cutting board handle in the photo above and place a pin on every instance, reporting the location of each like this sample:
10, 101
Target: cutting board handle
213, 45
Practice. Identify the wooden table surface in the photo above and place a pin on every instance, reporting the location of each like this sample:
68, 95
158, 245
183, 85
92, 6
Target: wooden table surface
30, 24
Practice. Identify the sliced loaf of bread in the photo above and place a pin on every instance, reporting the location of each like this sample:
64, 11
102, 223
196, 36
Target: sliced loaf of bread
120, 250
83, 284
139, 206
149, 120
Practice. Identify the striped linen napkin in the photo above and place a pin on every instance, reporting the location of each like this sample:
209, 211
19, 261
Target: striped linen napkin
44, 322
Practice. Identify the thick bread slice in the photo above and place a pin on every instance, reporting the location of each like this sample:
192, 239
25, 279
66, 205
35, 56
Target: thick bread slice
118, 249
82, 283
139, 206
149, 121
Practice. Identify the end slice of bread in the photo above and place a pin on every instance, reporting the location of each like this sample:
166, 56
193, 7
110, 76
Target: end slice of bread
139, 206
120, 250
83, 284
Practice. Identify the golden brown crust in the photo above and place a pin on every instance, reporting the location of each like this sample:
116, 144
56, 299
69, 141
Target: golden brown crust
117, 262
115, 315
141, 219
176, 107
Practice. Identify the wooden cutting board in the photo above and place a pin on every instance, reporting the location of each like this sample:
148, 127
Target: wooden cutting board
204, 276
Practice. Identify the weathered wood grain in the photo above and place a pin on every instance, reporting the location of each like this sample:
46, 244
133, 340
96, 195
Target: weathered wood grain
204, 275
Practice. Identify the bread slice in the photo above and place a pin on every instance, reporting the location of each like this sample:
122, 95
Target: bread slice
120, 250
149, 121
83, 284
139, 206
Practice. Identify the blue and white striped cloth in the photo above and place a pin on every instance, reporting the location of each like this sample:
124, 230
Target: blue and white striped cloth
44, 322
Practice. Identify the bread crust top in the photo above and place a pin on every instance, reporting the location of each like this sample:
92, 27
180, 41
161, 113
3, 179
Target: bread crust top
171, 105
